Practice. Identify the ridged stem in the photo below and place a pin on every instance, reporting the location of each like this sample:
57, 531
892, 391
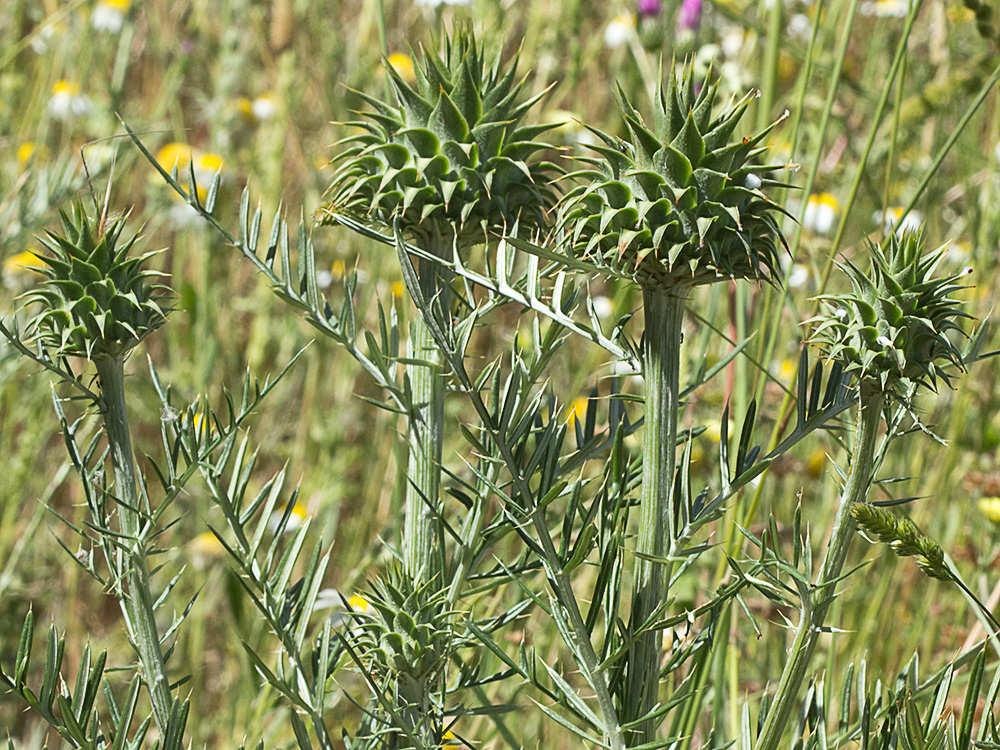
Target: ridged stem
137, 600
664, 314
816, 604
422, 556
425, 428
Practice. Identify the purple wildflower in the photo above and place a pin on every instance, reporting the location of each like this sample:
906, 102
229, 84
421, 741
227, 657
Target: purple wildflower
649, 8
689, 16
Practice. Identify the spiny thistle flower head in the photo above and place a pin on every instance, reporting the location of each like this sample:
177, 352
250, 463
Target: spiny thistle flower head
404, 632
893, 328
451, 159
96, 300
676, 204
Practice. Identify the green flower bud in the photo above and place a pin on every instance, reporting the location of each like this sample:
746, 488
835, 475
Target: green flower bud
96, 300
894, 328
405, 631
451, 159
676, 205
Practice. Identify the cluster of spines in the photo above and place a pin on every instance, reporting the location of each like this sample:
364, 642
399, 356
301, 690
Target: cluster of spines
451, 159
96, 299
896, 327
678, 204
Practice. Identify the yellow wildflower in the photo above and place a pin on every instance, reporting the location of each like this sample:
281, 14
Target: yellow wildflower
206, 545
180, 156
63, 87
714, 431
821, 213
209, 163
358, 603
786, 370
816, 462
403, 66
244, 106
67, 101
891, 220
24, 152
174, 155
109, 15
22, 263
577, 410
619, 30
787, 67
296, 518
959, 13
990, 507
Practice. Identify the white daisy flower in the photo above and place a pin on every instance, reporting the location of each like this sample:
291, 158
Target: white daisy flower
619, 30
821, 213
67, 101
109, 15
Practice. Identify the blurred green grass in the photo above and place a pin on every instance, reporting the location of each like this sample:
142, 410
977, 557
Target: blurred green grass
262, 85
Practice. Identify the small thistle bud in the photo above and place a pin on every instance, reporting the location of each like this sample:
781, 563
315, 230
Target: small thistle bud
96, 301
405, 632
676, 205
892, 330
452, 159
903, 538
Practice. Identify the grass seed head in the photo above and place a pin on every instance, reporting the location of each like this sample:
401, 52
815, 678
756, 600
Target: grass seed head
903, 538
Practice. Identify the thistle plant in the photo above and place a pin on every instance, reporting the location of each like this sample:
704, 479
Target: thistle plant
446, 167
97, 302
673, 207
894, 332
404, 639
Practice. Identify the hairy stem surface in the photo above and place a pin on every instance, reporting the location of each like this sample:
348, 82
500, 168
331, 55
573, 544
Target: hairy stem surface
816, 603
137, 600
664, 313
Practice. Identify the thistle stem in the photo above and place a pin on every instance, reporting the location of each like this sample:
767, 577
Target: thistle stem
425, 429
137, 600
816, 603
664, 314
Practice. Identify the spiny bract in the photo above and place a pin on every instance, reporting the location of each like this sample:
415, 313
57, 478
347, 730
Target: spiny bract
677, 205
96, 300
405, 633
451, 160
892, 330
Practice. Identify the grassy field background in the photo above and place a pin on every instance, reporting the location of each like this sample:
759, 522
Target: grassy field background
257, 89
